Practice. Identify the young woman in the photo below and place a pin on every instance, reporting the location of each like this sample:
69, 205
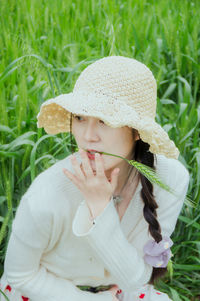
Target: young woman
92, 227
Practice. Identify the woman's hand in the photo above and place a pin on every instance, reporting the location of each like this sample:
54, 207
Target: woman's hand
96, 189
113, 291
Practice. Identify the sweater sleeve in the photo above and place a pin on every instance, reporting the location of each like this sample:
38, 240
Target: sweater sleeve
28, 240
120, 256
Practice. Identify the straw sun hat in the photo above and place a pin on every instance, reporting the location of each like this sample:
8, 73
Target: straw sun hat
119, 90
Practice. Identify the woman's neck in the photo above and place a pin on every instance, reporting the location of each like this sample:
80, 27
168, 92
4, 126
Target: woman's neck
126, 181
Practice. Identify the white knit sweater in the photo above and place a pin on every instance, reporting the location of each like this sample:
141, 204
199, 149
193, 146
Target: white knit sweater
54, 246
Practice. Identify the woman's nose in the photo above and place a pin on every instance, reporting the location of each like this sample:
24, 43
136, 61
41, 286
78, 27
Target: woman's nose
90, 132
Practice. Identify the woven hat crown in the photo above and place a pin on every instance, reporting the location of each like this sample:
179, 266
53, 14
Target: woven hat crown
121, 78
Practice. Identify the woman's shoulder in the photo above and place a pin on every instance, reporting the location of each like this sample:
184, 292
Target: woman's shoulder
52, 186
50, 176
171, 171
170, 166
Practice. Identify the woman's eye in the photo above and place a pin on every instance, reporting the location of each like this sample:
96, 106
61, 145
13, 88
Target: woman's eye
78, 118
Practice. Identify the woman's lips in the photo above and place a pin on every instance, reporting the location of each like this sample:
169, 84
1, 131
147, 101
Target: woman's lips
91, 156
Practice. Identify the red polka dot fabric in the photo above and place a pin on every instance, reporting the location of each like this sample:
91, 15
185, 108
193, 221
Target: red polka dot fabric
11, 293
145, 293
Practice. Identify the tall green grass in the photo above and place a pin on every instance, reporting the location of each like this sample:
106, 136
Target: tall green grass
44, 45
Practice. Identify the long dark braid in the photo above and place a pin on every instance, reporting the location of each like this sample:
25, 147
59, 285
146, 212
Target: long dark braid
71, 144
143, 155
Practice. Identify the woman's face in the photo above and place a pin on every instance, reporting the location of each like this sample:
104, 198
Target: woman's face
93, 133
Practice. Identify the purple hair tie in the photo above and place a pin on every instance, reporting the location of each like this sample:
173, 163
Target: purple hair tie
158, 254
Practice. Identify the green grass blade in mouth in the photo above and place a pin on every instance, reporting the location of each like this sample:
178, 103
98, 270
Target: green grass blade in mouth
147, 171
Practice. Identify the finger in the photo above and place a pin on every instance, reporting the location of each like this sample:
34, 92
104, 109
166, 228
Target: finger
71, 177
77, 168
114, 289
115, 286
99, 165
86, 164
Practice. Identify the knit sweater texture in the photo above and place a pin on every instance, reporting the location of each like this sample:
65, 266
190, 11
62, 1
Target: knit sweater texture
54, 245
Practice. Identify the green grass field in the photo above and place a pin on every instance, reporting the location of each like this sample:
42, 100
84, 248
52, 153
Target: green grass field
44, 45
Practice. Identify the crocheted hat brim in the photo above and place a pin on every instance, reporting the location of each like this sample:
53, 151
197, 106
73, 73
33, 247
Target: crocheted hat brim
54, 117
